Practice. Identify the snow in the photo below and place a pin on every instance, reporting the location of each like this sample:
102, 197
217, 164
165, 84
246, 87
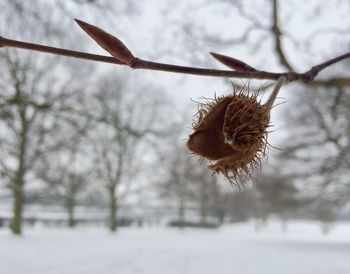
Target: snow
230, 249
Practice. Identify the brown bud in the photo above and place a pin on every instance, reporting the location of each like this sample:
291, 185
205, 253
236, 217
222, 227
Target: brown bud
233, 63
109, 42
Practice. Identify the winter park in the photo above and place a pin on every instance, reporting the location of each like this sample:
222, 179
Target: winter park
174, 137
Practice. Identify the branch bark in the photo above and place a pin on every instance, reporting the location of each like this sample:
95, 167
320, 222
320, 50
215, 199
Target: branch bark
278, 37
138, 63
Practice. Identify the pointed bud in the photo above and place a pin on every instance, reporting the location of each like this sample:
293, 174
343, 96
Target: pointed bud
109, 42
233, 63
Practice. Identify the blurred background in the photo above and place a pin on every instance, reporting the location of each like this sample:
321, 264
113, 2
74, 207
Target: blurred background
94, 171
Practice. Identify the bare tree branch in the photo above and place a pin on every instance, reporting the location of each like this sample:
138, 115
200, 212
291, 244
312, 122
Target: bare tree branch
278, 37
138, 63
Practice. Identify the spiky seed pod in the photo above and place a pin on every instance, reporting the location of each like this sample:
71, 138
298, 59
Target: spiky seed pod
232, 131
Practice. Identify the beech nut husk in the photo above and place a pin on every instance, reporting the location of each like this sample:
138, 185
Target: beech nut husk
231, 132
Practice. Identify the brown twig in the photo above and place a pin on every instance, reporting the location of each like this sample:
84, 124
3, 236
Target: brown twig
274, 93
57, 51
123, 56
332, 82
277, 33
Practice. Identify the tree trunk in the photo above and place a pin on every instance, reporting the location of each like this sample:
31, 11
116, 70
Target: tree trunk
284, 225
181, 212
203, 207
16, 224
113, 207
204, 213
70, 205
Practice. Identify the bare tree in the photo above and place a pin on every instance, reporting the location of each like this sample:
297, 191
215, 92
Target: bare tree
277, 194
186, 183
33, 91
29, 104
207, 194
69, 170
319, 145
32, 94
125, 115
175, 184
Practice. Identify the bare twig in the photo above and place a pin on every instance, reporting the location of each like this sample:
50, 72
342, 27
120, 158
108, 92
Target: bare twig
123, 56
332, 82
270, 102
57, 51
278, 37
277, 33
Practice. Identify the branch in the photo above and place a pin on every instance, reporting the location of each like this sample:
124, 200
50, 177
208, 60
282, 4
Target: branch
57, 51
278, 34
332, 82
123, 56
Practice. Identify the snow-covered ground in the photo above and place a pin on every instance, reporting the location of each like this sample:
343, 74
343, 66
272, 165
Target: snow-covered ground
230, 249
